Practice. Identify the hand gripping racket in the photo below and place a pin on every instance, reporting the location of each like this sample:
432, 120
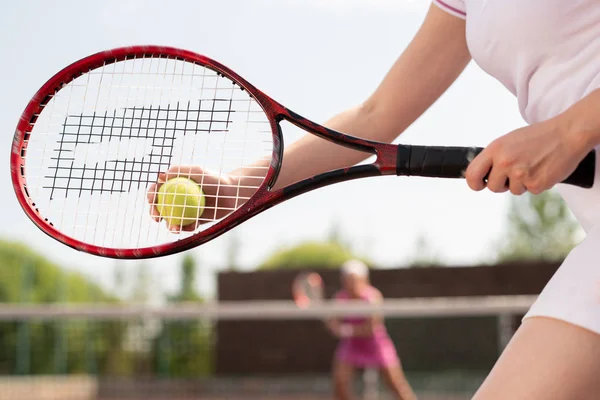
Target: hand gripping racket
93, 140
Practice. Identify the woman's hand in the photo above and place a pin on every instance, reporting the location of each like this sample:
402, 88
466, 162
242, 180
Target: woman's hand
339, 329
333, 325
533, 159
221, 193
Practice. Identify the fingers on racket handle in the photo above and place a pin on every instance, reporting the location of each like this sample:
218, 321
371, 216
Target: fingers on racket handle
451, 162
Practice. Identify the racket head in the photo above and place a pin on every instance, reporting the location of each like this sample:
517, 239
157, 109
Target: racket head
307, 289
141, 94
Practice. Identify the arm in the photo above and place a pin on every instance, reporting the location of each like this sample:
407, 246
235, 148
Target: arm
366, 329
538, 156
582, 121
333, 324
430, 64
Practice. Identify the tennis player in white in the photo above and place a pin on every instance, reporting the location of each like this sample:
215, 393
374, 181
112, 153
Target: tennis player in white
547, 53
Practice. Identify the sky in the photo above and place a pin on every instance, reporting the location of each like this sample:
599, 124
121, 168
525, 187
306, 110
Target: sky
318, 57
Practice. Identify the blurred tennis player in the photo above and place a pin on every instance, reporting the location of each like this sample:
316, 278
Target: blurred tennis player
364, 342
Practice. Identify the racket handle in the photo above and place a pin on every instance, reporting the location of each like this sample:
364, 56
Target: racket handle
451, 162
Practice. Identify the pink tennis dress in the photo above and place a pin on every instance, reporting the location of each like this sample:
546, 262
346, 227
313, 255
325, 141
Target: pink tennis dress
366, 352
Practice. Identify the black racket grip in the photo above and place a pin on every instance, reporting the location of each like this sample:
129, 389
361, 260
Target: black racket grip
451, 162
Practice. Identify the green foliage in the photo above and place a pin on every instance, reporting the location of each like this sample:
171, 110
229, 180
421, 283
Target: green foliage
112, 347
46, 347
540, 227
28, 276
310, 254
184, 348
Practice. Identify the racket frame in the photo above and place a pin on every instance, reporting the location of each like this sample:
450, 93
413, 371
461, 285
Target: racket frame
264, 197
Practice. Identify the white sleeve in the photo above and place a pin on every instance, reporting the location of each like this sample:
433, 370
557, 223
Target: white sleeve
454, 7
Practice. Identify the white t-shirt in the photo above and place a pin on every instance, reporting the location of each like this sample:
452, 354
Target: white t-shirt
545, 52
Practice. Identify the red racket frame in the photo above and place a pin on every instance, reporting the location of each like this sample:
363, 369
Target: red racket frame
264, 198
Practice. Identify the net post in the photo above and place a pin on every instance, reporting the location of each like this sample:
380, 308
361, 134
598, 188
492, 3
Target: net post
90, 326
506, 329
60, 340
371, 384
23, 362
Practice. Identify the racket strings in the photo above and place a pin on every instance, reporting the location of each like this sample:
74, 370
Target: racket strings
161, 132
102, 141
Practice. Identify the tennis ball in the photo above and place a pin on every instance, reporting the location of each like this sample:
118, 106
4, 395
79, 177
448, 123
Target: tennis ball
180, 201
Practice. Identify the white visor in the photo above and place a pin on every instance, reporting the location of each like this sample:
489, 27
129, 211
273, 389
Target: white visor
355, 267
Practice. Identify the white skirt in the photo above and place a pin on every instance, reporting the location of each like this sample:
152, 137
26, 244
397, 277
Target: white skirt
573, 293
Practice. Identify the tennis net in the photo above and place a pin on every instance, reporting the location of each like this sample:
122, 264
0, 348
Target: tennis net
267, 350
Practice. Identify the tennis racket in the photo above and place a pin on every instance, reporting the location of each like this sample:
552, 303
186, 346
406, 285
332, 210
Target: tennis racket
307, 289
93, 140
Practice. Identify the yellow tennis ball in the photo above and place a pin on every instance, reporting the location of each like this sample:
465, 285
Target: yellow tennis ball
180, 201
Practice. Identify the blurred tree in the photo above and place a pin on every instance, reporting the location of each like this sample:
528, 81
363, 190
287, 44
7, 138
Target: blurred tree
184, 347
310, 254
28, 276
540, 227
46, 277
424, 254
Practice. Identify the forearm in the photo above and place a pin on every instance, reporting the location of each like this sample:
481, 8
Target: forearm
312, 155
342, 330
366, 329
581, 121
428, 66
